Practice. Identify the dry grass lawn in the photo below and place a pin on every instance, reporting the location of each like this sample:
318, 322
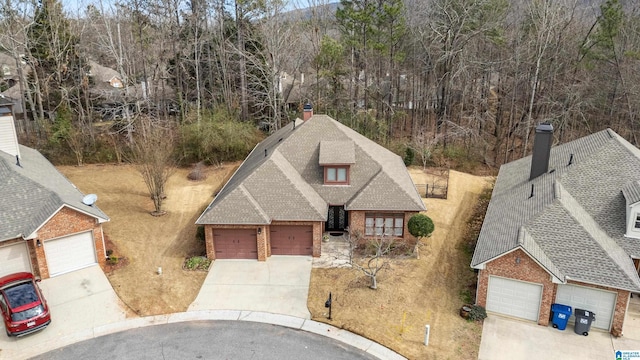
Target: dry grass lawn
150, 242
413, 292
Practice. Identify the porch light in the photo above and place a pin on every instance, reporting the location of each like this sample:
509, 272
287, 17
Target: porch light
38, 243
259, 230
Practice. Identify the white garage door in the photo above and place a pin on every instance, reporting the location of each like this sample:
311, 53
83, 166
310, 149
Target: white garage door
514, 298
14, 258
70, 253
601, 302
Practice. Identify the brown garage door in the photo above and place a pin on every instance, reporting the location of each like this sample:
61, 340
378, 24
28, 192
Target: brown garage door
292, 240
235, 243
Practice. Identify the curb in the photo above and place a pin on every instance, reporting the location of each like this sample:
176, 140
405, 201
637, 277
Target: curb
293, 322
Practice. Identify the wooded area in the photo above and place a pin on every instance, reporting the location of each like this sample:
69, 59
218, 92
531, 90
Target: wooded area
471, 75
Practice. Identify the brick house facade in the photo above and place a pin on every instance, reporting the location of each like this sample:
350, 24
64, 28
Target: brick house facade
319, 175
548, 237
526, 269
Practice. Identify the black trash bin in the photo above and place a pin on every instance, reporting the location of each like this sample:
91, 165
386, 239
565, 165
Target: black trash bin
584, 318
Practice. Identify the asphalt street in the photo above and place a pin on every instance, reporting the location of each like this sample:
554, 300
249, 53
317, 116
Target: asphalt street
237, 340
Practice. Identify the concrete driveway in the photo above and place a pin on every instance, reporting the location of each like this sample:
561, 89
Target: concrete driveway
505, 338
79, 301
279, 285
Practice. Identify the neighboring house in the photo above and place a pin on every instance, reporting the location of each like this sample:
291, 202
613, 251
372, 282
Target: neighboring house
45, 226
563, 226
311, 176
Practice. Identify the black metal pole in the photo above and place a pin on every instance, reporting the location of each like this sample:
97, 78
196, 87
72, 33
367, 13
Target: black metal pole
327, 304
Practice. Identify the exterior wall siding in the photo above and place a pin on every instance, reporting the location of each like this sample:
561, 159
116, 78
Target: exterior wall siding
66, 222
526, 270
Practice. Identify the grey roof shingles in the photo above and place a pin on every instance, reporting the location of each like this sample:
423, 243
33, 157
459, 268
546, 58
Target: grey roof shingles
284, 176
576, 216
34, 191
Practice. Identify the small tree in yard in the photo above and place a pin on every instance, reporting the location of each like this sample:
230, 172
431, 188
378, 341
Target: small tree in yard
372, 262
153, 154
420, 225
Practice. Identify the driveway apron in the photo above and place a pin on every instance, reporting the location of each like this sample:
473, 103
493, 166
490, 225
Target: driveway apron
79, 301
279, 285
506, 338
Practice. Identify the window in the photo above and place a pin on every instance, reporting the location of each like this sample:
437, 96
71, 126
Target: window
637, 225
384, 224
336, 175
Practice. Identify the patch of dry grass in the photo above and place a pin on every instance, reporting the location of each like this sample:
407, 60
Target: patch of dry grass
413, 292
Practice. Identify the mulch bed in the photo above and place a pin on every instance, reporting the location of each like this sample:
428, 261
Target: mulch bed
111, 266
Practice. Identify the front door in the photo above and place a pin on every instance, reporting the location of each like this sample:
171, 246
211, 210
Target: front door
337, 219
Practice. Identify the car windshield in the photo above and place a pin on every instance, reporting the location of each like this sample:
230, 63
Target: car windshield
27, 314
21, 294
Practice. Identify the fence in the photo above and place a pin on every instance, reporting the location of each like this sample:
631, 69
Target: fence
438, 185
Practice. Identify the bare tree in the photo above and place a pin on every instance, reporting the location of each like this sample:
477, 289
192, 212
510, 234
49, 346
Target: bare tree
372, 263
153, 155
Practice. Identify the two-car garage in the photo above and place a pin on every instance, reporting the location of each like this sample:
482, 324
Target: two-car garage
63, 255
522, 300
243, 243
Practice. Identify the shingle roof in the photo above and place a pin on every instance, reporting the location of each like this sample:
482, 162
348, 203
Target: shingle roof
336, 152
34, 191
576, 216
283, 179
631, 192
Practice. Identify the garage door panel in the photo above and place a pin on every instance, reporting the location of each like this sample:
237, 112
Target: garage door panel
514, 298
291, 239
600, 302
14, 258
235, 243
70, 253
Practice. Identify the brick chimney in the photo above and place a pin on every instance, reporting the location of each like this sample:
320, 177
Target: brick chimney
541, 150
8, 137
307, 111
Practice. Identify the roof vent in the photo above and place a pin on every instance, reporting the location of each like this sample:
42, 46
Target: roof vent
570, 160
265, 152
530, 196
18, 160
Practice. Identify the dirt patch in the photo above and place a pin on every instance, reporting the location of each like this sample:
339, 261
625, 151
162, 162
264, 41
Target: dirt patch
413, 292
148, 242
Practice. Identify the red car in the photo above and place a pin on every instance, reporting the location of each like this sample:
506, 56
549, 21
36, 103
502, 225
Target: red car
23, 307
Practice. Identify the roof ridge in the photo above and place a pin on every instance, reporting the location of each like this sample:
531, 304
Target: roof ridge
255, 203
528, 244
349, 132
362, 188
614, 251
288, 170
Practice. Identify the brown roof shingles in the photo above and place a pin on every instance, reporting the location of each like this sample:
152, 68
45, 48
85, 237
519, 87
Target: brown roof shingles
287, 182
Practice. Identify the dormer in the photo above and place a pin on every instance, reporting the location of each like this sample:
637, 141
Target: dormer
631, 193
336, 158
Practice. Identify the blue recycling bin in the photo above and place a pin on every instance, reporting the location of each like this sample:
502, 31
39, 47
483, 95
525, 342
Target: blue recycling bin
561, 314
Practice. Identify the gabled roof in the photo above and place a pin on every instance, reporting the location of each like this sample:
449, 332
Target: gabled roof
282, 178
574, 224
33, 192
